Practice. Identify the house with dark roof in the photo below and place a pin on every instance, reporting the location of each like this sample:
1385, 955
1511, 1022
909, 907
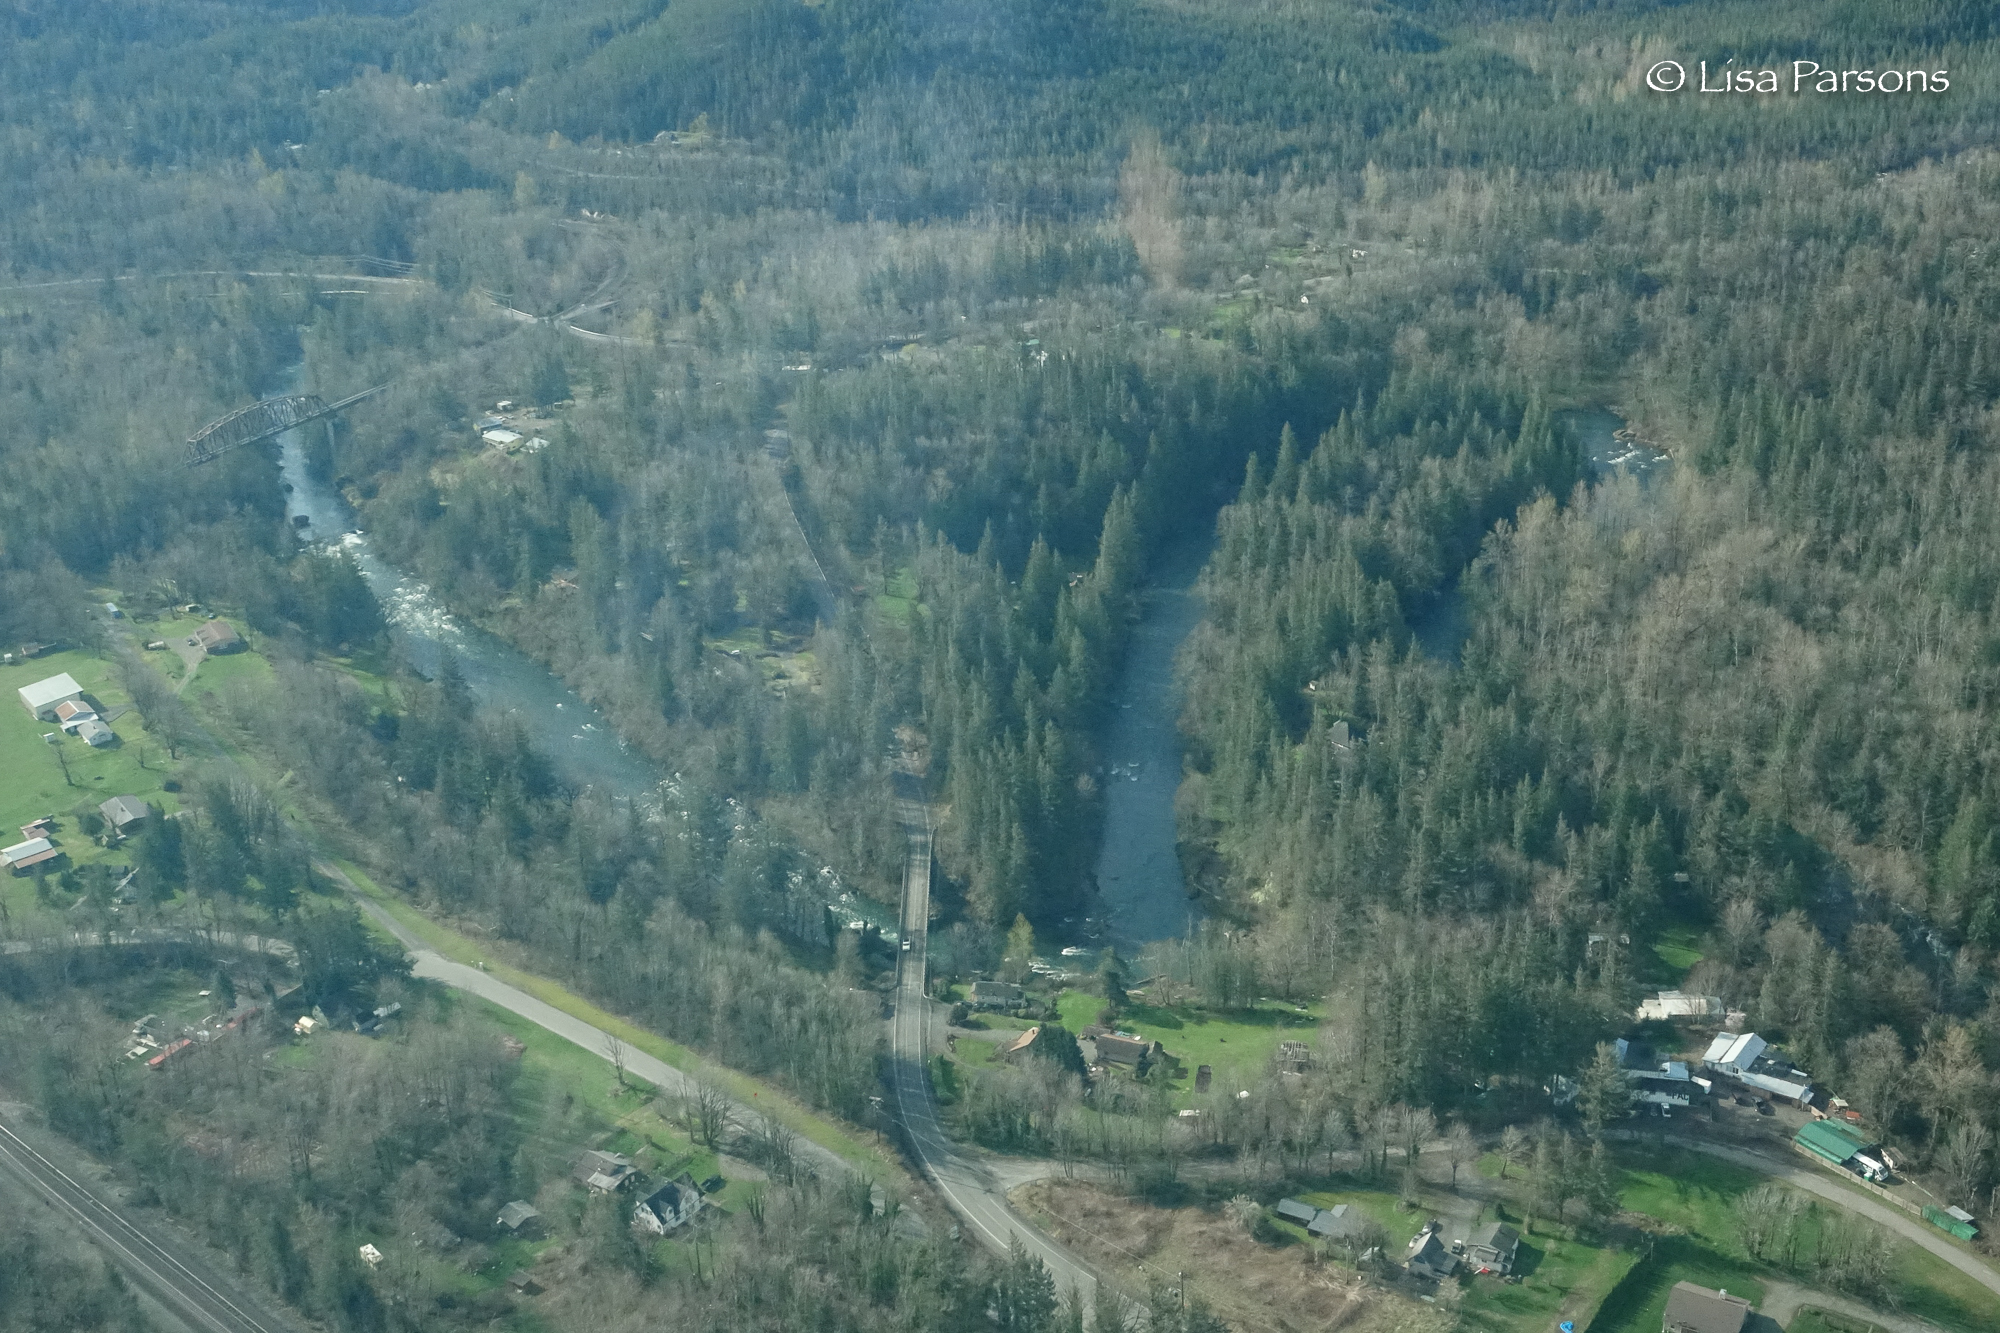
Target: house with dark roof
1294, 1211
1343, 1219
215, 637
602, 1172
1427, 1255
121, 812
1692, 1309
994, 995
1118, 1048
518, 1218
1491, 1249
671, 1205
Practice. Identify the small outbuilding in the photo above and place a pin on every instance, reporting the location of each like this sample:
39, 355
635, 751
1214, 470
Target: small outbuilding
602, 1172
1292, 1210
121, 812
216, 637
1343, 1219
519, 1218
23, 855
41, 698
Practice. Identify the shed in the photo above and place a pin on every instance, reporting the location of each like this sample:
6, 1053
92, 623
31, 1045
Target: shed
1831, 1141
1340, 1220
1021, 1043
1954, 1220
370, 1255
41, 698
1427, 1256
33, 852
1117, 1048
1294, 1211
518, 1217
602, 1172
123, 811
1692, 1309
523, 1281
216, 637
501, 436
95, 734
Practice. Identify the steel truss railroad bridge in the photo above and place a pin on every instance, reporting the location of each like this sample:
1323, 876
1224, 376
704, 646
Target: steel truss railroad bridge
263, 420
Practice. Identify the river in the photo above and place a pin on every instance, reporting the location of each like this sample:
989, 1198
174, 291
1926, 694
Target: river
1442, 627
1140, 891
579, 742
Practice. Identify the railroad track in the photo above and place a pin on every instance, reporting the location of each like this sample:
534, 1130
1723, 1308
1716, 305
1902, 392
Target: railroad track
143, 1260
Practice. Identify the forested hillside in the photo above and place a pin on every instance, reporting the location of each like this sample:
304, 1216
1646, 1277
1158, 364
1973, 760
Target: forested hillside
869, 352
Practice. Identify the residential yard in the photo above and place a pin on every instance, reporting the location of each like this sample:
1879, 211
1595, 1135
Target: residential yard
34, 785
1560, 1280
1237, 1044
1250, 1284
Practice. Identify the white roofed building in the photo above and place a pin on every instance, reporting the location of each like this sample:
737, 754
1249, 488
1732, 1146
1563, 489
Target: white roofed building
41, 698
1734, 1053
1670, 1004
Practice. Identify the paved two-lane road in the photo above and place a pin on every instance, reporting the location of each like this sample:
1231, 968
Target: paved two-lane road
428, 963
979, 1200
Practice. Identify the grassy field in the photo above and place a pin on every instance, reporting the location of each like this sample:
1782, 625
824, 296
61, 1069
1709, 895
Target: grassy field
1561, 1279
1239, 1042
1810, 1320
1693, 1195
1401, 1224
34, 784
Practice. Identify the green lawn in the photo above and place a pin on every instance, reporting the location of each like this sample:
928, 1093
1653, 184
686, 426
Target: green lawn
1560, 1280
1237, 1044
1678, 948
1809, 1320
34, 784
1693, 1194
1379, 1204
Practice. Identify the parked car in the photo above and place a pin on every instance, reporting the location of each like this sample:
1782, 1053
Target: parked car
1765, 1108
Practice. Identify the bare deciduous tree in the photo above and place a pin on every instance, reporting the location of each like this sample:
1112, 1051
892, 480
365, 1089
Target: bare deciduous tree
614, 1051
1459, 1148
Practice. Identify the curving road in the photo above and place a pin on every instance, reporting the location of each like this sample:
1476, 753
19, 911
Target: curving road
972, 1192
433, 966
1805, 1176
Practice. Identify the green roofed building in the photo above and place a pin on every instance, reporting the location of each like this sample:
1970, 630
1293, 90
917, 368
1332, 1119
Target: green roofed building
1831, 1141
